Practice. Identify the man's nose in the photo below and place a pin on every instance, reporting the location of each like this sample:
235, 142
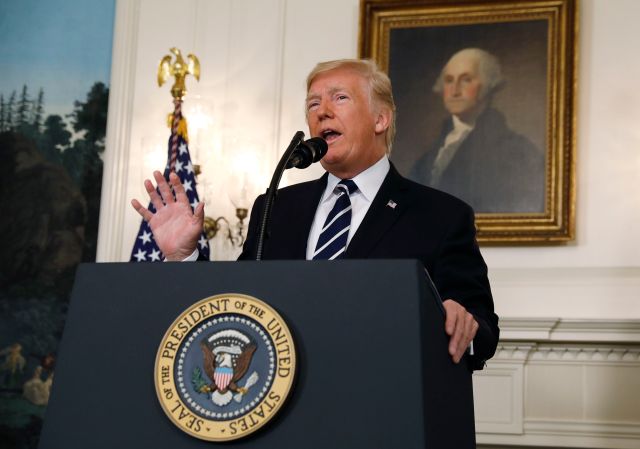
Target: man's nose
457, 88
324, 110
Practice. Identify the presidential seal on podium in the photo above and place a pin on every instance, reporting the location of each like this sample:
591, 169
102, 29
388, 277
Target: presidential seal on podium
225, 367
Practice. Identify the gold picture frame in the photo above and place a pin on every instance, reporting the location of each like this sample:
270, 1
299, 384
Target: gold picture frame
535, 44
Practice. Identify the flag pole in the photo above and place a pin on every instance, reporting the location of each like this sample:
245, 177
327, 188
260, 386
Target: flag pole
145, 249
179, 69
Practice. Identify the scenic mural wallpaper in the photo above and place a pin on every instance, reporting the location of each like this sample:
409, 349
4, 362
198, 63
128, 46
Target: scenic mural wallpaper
54, 90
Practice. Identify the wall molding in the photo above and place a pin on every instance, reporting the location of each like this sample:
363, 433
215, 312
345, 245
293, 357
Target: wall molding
582, 428
577, 434
513, 352
119, 119
527, 328
561, 329
564, 353
579, 354
597, 330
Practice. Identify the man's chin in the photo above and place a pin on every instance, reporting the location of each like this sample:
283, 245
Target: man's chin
330, 164
458, 110
326, 164
333, 155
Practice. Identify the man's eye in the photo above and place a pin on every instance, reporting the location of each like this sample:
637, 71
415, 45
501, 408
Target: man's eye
342, 97
312, 106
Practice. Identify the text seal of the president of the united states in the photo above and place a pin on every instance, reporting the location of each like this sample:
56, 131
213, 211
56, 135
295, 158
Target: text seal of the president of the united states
225, 367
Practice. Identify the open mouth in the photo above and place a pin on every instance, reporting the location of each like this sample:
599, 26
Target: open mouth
330, 135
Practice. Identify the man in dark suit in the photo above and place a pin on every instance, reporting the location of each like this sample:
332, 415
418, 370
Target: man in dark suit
349, 104
477, 157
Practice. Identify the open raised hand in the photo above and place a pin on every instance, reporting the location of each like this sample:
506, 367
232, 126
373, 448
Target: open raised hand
176, 229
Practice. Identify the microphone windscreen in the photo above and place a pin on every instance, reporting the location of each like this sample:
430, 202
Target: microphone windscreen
319, 146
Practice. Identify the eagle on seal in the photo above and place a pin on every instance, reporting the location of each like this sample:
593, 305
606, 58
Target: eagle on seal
227, 355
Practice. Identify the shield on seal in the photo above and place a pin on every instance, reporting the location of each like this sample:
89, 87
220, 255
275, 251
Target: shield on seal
222, 376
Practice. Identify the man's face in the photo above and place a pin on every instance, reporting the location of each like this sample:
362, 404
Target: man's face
462, 88
340, 111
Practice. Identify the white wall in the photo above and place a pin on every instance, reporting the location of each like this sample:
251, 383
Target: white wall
255, 55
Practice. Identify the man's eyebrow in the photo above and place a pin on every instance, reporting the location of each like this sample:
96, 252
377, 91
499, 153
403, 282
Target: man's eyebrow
332, 91
465, 73
312, 97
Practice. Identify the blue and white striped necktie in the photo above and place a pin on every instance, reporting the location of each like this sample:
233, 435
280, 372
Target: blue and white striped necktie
332, 242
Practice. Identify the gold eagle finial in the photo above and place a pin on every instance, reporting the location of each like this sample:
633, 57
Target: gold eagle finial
179, 69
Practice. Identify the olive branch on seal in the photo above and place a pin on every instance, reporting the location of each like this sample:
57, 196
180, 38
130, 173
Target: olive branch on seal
198, 382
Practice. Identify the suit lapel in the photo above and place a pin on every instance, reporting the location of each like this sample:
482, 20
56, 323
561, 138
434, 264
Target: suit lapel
386, 207
301, 219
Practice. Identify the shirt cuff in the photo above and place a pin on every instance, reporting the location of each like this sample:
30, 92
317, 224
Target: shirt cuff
191, 258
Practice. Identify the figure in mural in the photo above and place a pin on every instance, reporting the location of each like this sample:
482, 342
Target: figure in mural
477, 157
13, 363
36, 390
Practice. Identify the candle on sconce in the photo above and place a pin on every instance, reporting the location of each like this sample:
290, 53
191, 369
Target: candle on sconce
198, 111
154, 154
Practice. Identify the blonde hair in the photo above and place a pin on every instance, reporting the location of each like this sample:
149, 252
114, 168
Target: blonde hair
379, 86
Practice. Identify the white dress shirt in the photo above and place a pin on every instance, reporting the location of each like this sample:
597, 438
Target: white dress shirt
368, 182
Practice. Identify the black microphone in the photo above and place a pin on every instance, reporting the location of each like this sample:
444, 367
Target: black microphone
308, 152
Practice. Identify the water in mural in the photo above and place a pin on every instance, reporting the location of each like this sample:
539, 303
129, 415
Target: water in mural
53, 108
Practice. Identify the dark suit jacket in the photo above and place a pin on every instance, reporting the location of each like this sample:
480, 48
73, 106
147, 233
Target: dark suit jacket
426, 224
494, 170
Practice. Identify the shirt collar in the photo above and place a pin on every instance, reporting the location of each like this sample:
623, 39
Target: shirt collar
368, 182
460, 126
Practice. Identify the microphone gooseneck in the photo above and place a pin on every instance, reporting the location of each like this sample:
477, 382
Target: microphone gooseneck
300, 154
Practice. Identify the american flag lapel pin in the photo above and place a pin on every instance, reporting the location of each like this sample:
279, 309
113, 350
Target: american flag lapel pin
392, 204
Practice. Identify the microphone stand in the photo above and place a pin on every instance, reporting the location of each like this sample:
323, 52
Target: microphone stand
273, 187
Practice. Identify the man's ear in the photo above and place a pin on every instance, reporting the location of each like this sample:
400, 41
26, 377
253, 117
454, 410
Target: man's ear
383, 119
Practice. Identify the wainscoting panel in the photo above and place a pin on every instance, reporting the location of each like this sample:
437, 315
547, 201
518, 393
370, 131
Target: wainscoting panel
544, 389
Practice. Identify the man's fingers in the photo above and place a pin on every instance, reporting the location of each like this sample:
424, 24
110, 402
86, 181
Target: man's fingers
458, 335
472, 327
181, 195
464, 340
451, 324
153, 195
469, 327
163, 187
143, 211
451, 316
198, 213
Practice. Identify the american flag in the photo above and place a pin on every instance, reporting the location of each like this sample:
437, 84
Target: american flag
145, 248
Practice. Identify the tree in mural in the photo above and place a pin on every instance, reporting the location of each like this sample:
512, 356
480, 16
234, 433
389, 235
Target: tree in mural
54, 138
3, 113
22, 111
37, 112
83, 159
8, 113
50, 180
91, 116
